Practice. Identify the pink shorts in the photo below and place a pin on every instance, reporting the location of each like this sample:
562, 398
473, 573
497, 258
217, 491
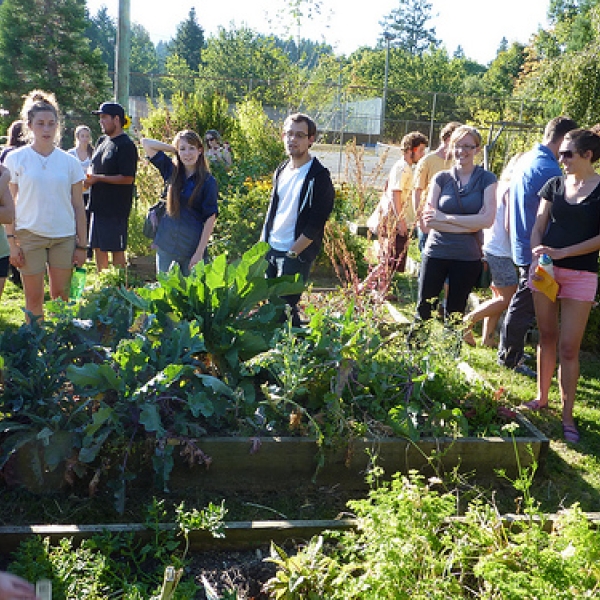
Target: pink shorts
574, 285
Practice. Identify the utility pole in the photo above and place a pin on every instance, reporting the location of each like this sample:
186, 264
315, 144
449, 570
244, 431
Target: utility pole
388, 38
123, 53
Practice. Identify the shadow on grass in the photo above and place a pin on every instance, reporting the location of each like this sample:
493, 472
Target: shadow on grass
571, 473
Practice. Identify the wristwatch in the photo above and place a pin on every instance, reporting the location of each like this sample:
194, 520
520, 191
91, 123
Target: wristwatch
291, 254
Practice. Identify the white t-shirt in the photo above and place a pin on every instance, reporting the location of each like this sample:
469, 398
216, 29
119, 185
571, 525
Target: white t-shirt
496, 240
85, 163
289, 186
43, 204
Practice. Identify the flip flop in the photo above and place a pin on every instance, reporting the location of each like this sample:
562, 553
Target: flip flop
533, 405
571, 434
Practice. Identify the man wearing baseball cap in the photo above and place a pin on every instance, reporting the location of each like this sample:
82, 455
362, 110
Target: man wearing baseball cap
113, 169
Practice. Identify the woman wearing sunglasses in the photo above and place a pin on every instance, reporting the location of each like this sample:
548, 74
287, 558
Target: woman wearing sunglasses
461, 202
567, 229
217, 152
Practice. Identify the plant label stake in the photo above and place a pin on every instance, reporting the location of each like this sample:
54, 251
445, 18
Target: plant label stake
43, 589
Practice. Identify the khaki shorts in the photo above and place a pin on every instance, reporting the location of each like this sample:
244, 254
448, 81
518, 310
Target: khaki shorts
40, 251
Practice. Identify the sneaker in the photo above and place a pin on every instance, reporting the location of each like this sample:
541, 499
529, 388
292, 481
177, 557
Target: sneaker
525, 370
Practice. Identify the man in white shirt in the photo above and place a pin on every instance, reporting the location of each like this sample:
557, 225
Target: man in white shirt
301, 202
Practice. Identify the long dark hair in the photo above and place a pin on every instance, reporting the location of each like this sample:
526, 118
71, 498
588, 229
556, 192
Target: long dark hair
15, 134
178, 177
90, 148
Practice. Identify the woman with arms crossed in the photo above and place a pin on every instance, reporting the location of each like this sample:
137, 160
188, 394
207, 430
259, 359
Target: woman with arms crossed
462, 202
183, 233
49, 228
567, 229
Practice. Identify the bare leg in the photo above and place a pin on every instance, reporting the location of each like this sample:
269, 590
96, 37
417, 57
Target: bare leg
491, 311
118, 259
2, 282
60, 280
101, 259
574, 317
33, 288
546, 313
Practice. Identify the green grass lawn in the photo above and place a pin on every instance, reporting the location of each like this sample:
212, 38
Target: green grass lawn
571, 473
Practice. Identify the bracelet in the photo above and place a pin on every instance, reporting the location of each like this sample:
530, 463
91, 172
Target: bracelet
9, 235
81, 247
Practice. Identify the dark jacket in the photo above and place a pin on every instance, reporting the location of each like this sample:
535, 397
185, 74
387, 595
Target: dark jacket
314, 208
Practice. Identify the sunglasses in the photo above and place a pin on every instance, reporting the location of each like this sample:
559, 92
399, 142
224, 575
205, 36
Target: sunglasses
565, 153
210, 139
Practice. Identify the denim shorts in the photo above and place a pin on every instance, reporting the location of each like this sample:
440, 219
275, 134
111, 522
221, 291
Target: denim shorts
504, 272
572, 284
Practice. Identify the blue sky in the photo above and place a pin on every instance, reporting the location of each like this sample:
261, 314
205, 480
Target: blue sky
476, 25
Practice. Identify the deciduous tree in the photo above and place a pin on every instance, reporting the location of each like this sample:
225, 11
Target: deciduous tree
241, 62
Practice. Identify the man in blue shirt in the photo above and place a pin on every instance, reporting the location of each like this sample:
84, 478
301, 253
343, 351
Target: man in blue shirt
532, 172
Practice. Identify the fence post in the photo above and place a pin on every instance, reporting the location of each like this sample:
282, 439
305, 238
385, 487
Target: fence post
432, 122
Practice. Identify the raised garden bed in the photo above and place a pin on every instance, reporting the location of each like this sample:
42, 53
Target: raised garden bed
271, 464
237, 534
279, 463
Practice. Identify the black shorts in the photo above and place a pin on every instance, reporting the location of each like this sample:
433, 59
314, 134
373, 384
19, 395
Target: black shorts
108, 234
4, 263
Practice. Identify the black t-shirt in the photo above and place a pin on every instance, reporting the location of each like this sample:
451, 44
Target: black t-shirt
113, 156
571, 224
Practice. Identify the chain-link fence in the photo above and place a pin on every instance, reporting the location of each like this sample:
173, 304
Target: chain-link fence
343, 113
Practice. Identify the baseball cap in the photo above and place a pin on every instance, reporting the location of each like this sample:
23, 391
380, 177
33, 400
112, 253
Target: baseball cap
114, 109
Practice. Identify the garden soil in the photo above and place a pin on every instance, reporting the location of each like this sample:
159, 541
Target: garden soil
245, 571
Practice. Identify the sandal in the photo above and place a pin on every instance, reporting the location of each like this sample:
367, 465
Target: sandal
571, 434
533, 405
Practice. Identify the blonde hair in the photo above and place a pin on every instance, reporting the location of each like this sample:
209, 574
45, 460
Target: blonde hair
508, 170
464, 130
39, 101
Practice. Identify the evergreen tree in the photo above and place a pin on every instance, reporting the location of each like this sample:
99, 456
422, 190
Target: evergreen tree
408, 25
503, 47
162, 51
307, 54
189, 41
42, 45
102, 33
143, 62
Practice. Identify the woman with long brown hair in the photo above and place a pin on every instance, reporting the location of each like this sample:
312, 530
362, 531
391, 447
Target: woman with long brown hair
183, 233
